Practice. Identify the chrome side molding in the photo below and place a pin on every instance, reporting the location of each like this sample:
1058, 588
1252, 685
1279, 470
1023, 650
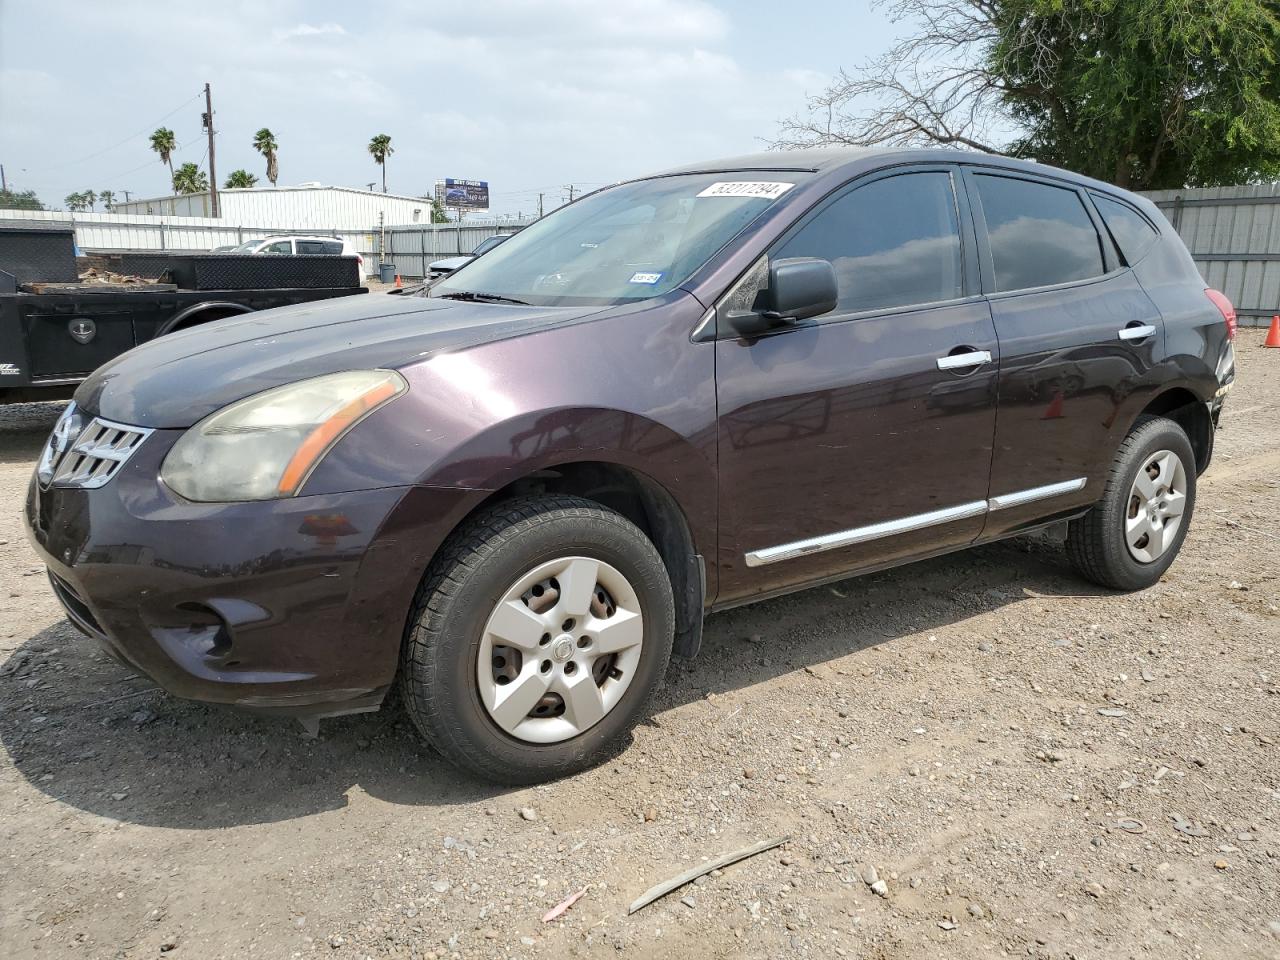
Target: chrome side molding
1006, 500
847, 538
918, 521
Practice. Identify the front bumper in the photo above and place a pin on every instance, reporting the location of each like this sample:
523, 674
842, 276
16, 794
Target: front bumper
288, 606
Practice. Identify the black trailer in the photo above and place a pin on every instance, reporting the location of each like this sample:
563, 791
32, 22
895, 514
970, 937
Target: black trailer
55, 330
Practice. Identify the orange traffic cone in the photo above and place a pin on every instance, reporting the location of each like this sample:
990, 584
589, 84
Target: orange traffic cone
1273, 335
399, 282
1054, 410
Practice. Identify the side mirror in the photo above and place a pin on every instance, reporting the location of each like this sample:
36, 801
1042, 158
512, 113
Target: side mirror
799, 288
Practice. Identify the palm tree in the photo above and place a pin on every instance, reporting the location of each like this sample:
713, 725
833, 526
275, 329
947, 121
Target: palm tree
108, 198
189, 178
264, 141
90, 198
380, 148
240, 180
74, 201
165, 143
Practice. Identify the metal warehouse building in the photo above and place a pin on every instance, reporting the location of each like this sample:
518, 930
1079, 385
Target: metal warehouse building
309, 206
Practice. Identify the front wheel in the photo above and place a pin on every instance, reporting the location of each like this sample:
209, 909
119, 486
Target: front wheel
538, 639
1133, 534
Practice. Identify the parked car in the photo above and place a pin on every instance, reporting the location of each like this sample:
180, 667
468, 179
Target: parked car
518, 496
298, 244
442, 268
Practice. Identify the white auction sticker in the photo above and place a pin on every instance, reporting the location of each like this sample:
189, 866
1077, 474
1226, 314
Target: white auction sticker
649, 278
765, 190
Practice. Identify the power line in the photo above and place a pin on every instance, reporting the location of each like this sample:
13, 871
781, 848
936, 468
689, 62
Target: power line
131, 137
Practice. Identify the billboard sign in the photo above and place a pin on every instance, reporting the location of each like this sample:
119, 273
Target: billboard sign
463, 194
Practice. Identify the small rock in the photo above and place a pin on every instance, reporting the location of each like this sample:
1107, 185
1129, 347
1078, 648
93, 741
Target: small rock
976, 911
689, 902
1112, 712
869, 874
529, 814
986, 647
490, 934
880, 888
119, 796
1148, 675
947, 925
170, 944
441, 886
749, 773
754, 638
651, 814
1094, 890
139, 717
336, 941
914, 883
1220, 865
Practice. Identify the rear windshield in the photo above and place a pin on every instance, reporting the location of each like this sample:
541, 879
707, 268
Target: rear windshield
625, 243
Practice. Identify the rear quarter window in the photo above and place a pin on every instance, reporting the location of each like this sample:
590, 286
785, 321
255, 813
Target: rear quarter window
1039, 234
1131, 231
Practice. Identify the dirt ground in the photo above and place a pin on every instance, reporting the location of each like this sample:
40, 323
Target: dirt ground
1033, 767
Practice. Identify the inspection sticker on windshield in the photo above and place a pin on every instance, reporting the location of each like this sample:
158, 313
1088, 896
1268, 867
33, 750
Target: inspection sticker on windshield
649, 278
765, 190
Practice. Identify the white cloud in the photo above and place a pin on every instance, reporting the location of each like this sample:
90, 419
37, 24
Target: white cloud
307, 30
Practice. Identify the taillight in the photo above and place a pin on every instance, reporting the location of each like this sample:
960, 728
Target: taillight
1225, 308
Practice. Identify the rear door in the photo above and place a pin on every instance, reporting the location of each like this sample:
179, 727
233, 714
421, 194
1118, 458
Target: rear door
1077, 339
843, 442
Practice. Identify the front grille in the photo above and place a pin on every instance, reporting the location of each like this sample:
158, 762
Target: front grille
86, 452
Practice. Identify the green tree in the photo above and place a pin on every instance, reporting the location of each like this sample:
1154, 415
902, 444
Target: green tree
189, 178
438, 212
240, 180
90, 198
1146, 94
75, 202
380, 149
24, 200
264, 141
108, 198
164, 143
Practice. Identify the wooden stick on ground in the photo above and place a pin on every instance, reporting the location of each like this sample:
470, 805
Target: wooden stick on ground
662, 889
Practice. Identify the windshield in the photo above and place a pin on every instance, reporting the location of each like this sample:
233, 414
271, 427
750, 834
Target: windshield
247, 247
486, 245
625, 243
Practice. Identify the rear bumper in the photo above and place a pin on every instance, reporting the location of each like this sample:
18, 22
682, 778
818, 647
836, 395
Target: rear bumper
290, 606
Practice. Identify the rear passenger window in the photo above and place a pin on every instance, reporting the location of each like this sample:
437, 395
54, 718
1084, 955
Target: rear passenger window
893, 243
319, 246
1039, 234
1132, 232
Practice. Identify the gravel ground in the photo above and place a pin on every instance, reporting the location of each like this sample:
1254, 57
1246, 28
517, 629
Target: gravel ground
1031, 766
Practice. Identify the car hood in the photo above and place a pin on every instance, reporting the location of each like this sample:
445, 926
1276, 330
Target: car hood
451, 263
177, 380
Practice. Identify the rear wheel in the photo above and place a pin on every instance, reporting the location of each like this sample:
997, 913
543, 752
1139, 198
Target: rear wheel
538, 639
1133, 534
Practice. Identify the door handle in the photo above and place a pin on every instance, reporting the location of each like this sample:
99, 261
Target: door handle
954, 361
1140, 332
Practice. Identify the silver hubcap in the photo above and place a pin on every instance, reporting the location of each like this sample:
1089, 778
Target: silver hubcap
1156, 504
560, 649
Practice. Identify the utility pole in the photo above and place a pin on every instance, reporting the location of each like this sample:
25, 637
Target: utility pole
4, 184
570, 188
539, 206
213, 169
126, 195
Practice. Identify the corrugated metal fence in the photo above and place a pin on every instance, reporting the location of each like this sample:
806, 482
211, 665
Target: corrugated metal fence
1233, 234
409, 247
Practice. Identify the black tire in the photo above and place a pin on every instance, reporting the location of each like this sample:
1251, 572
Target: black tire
476, 565
1096, 541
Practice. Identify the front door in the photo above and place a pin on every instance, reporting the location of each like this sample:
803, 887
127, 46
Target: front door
844, 442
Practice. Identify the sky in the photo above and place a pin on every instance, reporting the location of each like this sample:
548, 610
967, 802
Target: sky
530, 96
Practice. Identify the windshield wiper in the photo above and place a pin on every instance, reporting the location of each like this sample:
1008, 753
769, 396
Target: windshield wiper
481, 297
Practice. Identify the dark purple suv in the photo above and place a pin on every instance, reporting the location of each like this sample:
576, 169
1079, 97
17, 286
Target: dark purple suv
517, 496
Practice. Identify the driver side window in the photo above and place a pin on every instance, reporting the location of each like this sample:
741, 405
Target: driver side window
894, 242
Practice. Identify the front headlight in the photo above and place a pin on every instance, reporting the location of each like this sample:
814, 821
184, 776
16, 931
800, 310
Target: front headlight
265, 446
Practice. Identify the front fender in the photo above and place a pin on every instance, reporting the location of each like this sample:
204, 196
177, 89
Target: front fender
628, 389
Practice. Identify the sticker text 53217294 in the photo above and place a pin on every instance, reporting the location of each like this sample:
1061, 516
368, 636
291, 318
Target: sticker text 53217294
761, 189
